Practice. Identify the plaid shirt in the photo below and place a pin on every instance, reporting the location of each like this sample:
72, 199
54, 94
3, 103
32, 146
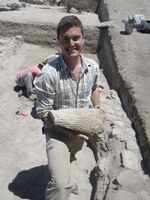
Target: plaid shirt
57, 88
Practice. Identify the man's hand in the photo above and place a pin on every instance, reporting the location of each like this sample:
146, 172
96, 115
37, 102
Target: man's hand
96, 98
82, 136
73, 135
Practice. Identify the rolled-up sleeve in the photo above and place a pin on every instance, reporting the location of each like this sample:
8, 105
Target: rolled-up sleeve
45, 94
97, 77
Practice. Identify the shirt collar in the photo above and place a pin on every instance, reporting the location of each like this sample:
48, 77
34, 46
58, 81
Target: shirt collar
85, 63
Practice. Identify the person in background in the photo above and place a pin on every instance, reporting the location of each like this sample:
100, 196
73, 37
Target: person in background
69, 81
24, 79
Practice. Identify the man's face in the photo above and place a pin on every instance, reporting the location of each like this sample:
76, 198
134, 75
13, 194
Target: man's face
71, 41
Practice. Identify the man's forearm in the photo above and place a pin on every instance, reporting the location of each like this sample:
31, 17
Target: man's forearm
96, 98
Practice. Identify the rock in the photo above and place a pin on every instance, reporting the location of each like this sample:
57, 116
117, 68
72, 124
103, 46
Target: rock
116, 132
104, 165
16, 6
84, 5
4, 8
102, 186
121, 195
131, 181
54, 2
129, 160
38, 2
132, 145
74, 11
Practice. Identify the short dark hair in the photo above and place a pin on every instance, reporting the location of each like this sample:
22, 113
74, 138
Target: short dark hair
68, 22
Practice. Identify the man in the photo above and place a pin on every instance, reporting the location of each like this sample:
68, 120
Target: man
69, 81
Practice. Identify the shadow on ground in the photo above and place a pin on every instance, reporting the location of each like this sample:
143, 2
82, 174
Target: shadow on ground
31, 184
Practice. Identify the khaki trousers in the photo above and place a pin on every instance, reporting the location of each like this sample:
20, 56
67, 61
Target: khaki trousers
60, 150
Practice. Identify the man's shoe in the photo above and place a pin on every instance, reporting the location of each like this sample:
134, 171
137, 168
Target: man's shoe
22, 92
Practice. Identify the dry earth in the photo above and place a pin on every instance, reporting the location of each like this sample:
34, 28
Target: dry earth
127, 70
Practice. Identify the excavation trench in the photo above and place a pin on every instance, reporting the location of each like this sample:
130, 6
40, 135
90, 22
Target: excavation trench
109, 64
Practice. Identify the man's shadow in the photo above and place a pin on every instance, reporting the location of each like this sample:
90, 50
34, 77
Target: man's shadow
31, 184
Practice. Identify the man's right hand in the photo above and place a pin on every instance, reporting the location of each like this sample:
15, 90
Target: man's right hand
82, 136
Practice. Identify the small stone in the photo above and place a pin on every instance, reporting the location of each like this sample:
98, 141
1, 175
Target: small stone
104, 165
132, 145
117, 131
74, 11
129, 160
